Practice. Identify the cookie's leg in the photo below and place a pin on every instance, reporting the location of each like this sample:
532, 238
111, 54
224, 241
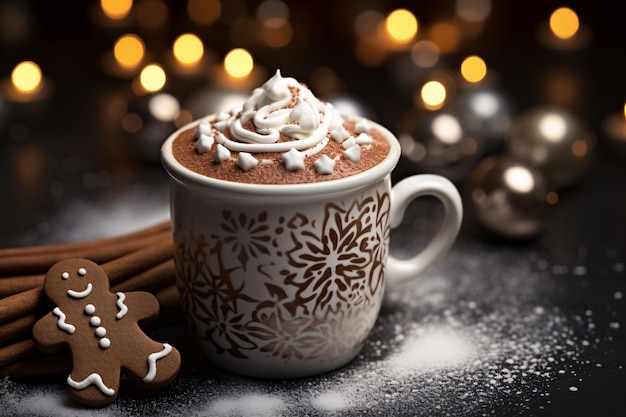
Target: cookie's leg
159, 368
94, 389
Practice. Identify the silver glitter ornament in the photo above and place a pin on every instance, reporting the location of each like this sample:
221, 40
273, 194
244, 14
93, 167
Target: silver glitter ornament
508, 197
556, 141
439, 144
486, 113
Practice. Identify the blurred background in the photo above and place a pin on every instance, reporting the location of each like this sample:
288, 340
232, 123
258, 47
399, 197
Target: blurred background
522, 104
89, 91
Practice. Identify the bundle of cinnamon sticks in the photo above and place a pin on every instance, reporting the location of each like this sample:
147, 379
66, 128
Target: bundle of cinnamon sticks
139, 261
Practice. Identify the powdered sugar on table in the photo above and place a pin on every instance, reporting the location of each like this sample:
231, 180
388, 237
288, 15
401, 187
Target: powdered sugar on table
482, 332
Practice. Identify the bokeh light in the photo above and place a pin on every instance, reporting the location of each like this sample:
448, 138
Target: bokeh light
273, 13
204, 12
367, 22
564, 23
129, 50
552, 197
519, 179
188, 49
446, 35
164, 107
433, 95
26, 77
553, 127
473, 11
238, 63
116, 9
401, 25
425, 54
152, 78
473, 69
447, 128
277, 36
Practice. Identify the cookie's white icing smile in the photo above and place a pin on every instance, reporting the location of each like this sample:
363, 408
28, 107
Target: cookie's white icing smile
80, 294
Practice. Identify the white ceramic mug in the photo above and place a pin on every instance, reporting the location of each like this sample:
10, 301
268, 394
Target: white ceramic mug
282, 281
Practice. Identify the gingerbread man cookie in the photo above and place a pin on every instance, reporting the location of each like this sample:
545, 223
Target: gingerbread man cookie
102, 331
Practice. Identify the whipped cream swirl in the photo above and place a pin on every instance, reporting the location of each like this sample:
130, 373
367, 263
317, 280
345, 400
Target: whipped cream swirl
270, 108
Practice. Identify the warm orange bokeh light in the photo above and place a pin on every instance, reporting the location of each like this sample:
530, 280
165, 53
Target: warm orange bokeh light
564, 23
473, 69
401, 25
116, 9
129, 50
26, 77
238, 63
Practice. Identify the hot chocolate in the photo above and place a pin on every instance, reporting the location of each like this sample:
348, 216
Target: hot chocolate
281, 135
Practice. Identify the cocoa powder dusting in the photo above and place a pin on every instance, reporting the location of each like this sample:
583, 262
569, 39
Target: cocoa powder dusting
270, 169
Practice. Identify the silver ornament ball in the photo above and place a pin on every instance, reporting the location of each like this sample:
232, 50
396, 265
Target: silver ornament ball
439, 144
486, 113
556, 141
508, 197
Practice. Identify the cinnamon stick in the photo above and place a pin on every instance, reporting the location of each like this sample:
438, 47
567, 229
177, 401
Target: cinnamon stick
78, 247
118, 269
16, 351
20, 304
37, 366
153, 279
41, 262
14, 285
136, 262
18, 327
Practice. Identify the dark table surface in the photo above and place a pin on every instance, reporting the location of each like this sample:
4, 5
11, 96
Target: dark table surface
534, 327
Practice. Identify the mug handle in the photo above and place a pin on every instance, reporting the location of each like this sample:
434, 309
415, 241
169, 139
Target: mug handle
399, 271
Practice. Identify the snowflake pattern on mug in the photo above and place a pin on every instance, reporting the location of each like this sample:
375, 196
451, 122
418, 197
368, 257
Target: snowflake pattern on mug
319, 301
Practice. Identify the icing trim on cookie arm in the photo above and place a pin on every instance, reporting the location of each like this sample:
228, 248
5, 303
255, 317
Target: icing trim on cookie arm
92, 379
153, 358
80, 294
123, 309
61, 324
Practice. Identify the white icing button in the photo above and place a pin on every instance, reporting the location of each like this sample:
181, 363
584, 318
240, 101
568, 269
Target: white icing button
363, 139
82, 272
95, 321
246, 161
221, 153
65, 275
104, 343
204, 143
353, 153
362, 126
324, 165
349, 143
204, 128
339, 134
90, 309
101, 331
293, 160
